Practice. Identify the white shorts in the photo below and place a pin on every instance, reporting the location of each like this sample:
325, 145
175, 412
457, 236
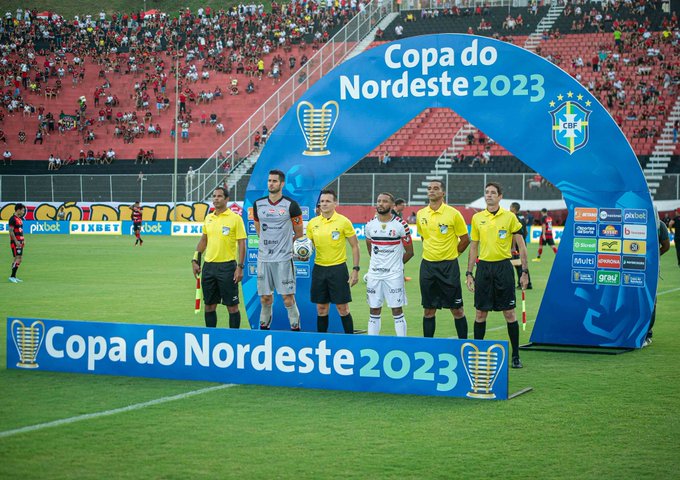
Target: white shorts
276, 276
390, 290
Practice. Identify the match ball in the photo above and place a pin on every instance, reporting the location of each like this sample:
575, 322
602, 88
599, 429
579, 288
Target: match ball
303, 248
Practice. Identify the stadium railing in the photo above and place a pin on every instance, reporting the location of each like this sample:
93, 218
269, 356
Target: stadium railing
332, 53
352, 188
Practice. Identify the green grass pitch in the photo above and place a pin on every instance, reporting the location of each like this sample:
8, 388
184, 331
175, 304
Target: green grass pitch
589, 416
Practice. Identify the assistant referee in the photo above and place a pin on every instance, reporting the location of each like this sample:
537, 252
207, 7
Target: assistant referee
445, 237
331, 281
493, 232
223, 241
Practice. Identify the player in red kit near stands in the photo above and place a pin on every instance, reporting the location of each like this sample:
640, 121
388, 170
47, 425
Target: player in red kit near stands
546, 234
16, 235
137, 223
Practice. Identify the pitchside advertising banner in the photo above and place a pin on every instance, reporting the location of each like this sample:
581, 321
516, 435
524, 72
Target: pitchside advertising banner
406, 365
536, 111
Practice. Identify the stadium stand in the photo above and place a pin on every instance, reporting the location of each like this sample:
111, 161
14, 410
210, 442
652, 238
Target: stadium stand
72, 71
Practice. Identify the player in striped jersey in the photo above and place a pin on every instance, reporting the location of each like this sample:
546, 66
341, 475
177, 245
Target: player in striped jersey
16, 239
137, 223
388, 239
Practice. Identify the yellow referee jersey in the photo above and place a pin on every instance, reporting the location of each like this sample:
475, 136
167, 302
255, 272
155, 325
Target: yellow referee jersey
328, 235
494, 233
440, 230
223, 231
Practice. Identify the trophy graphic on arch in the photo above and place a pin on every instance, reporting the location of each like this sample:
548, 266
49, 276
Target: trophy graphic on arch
316, 125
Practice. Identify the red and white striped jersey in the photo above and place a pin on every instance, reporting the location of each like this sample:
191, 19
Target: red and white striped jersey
387, 247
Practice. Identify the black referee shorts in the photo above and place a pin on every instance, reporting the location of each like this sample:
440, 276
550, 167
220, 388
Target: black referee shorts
495, 286
440, 284
218, 283
330, 285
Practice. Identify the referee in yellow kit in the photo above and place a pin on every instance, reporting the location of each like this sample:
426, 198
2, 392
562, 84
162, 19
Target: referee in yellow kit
222, 243
331, 281
493, 232
445, 237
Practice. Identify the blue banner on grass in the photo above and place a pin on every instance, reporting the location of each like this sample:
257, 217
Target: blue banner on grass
406, 365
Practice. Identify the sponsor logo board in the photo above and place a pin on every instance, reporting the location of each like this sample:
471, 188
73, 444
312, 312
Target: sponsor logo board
633, 231
608, 277
585, 230
585, 245
610, 215
580, 260
585, 214
608, 261
635, 216
633, 279
635, 247
95, 228
608, 246
583, 276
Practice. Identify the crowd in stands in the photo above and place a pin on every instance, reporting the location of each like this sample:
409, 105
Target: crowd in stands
631, 74
41, 55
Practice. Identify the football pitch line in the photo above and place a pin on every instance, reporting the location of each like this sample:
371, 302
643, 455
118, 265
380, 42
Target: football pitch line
668, 291
129, 408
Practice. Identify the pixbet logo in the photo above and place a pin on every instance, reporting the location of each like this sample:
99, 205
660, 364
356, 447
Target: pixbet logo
96, 227
635, 216
45, 227
187, 228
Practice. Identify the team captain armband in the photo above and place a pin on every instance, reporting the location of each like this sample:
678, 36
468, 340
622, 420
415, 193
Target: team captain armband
197, 258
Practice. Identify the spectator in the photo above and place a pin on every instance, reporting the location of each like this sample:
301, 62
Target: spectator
38, 137
51, 163
219, 128
185, 132
7, 158
110, 156
536, 181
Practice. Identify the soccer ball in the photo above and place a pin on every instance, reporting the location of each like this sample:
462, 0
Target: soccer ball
303, 248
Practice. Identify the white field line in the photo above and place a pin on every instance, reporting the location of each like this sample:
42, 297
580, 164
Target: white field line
668, 291
129, 408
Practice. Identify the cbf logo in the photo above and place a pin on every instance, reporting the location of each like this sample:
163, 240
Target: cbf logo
570, 123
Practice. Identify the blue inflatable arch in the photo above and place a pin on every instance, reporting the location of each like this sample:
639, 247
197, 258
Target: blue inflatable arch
602, 286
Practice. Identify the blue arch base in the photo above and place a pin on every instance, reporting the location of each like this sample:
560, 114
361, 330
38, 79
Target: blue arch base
603, 283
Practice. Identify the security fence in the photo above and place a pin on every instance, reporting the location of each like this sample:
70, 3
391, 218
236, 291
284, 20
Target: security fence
353, 189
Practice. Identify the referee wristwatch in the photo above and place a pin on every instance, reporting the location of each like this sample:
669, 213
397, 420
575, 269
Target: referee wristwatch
524, 270
356, 268
240, 265
469, 274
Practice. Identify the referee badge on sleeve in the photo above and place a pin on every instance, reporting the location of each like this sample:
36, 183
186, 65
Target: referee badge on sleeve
226, 231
